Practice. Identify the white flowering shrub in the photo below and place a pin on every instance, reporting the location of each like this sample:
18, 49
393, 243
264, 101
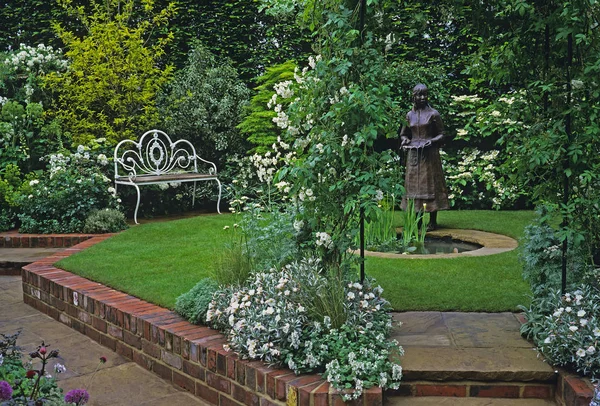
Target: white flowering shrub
479, 177
71, 188
331, 168
482, 118
476, 180
275, 318
566, 329
26, 132
204, 104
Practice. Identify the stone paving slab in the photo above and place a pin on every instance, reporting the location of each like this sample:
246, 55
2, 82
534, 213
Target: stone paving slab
26, 255
129, 384
117, 382
467, 346
477, 364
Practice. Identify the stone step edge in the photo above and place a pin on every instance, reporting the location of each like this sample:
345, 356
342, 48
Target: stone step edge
189, 356
17, 240
448, 375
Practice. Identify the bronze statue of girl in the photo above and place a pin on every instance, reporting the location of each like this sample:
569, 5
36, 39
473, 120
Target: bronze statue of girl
424, 181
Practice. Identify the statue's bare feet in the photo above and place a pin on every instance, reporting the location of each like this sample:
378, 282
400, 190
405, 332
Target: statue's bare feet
431, 227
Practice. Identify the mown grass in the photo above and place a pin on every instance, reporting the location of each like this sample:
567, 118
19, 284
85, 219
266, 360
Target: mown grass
156, 261
159, 261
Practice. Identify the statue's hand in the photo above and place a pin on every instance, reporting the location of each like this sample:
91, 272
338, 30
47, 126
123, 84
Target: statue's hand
427, 144
404, 141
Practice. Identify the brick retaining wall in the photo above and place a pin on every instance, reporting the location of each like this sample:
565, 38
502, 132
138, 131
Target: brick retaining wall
159, 340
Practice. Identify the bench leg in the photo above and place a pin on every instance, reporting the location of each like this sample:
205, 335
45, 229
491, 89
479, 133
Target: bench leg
219, 199
194, 195
137, 206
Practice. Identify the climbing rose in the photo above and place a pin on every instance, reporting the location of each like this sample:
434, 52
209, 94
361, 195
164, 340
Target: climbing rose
77, 396
5, 391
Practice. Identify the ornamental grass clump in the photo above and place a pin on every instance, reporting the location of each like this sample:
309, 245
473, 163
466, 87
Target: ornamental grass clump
566, 329
275, 318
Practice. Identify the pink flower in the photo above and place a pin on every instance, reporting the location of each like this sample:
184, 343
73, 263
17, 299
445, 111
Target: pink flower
77, 396
5, 391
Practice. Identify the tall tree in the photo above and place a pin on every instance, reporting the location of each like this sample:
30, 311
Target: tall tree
110, 88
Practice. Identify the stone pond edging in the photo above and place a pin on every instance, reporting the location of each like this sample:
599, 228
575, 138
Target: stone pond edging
161, 341
491, 244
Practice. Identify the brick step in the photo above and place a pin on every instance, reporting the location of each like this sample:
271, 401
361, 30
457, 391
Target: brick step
453, 401
475, 389
11, 268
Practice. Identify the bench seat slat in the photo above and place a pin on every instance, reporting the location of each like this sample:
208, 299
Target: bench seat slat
170, 177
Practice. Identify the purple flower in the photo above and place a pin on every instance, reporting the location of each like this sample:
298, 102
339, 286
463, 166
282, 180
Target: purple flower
5, 391
77, 396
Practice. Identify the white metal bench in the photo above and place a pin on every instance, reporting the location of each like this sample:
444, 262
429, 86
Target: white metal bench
155, 159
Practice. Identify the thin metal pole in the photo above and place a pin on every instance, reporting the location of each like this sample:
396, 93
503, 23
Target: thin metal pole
362, 245
363, 7
566, 183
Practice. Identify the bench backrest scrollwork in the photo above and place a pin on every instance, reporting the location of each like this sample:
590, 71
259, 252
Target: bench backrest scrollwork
156, 154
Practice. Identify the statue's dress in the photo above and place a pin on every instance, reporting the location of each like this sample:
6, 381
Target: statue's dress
424, 181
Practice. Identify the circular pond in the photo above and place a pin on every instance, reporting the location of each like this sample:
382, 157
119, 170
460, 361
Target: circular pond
478, 243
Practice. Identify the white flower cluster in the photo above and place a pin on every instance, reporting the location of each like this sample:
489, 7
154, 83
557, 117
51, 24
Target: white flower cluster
306, 194
102, 159
324, 240
266, 166
262, 319
58, 162
466, 99
39, 60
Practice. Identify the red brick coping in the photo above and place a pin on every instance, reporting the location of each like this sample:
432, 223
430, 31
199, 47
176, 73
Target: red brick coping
159, 340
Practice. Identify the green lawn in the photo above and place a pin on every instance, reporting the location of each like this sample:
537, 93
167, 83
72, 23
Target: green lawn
159, 261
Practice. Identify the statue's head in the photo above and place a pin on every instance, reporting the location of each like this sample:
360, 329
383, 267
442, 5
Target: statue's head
420, 95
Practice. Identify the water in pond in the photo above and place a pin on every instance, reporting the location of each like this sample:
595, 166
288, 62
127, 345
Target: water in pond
433, 245
445, 245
